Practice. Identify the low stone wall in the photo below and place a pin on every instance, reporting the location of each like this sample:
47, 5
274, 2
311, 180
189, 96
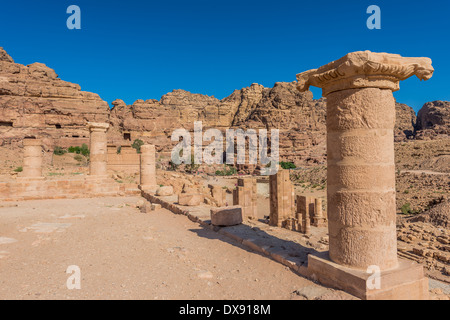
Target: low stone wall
128, 160
78, 187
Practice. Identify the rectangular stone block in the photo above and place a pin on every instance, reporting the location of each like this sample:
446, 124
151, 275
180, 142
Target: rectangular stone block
406, 282
226, 216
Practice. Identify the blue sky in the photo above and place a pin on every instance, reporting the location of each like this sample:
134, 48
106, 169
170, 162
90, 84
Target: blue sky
143, 49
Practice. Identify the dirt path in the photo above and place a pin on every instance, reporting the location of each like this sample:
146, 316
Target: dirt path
123, 254
419, 172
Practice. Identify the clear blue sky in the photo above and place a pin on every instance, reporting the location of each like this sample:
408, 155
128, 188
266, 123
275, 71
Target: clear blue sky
143, 49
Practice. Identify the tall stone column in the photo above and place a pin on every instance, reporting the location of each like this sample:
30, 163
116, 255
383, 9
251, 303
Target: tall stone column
32, 158
282, 203
360, 152
148, 168
98, 149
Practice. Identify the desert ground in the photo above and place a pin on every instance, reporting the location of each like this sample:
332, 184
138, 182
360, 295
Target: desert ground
124, 254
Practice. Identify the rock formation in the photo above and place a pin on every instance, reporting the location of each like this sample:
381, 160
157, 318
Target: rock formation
433, 120
35, 102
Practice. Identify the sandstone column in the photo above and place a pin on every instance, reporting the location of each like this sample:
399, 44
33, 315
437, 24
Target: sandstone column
148, 167
360, 148
245, 195
32, 158
98, 149
281, 198
318, 219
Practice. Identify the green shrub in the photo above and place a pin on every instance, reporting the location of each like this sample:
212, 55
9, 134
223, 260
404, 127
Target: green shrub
84, 150
406, 208
137, 144
287, 165
18, 169
59, 151
76, 150
78, 157
227, 171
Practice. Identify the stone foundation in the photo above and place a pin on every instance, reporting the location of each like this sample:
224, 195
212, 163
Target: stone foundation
405, 282
80, 187
127, 161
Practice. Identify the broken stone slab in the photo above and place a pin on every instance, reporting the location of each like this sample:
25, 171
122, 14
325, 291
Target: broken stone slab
190, 199
226, 216
164, 191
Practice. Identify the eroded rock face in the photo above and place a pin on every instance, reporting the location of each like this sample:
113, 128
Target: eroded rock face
433, 120
300, 118
405, 120
35, 102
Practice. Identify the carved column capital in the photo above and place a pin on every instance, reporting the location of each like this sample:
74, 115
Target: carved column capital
365, 69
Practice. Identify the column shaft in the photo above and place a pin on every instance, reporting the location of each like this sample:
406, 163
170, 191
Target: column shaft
98, 149
361, 178
32, 158
148, 167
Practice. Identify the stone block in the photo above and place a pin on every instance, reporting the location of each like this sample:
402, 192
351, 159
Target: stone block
164, 191
155, 206
226, 216
190, 199
406, 282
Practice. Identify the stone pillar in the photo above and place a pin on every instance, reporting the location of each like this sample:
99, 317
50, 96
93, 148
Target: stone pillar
32, 158
318, 218
148, 168
245, 195
98, 149
281, 198
305, 205
218, 194
360, 149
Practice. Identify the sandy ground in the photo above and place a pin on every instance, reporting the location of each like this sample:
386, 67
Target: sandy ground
124, 254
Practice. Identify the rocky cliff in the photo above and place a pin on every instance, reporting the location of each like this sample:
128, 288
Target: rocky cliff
433, 120
35, 102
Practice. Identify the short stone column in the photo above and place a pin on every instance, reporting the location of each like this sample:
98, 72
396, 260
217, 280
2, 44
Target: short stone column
148, 168
245, 195
32, 158
360, 149
98, 149
304, 207
318, 218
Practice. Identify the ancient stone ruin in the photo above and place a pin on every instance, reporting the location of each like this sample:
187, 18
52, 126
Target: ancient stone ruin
353, 129
361, 172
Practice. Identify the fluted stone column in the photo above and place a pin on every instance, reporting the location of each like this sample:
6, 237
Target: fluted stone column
148, 168
98, 149
32, 158
360, 149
